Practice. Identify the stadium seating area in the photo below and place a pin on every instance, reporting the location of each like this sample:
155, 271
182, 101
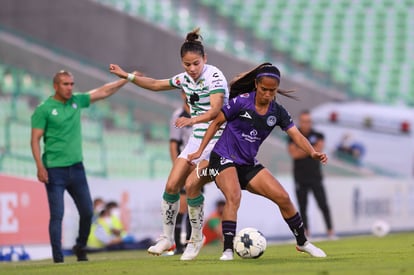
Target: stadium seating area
115, 145
365, 46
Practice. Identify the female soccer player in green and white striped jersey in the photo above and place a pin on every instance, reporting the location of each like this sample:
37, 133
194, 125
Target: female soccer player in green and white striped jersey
207, 91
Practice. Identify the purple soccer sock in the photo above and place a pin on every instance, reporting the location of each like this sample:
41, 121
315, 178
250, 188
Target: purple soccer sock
229, 231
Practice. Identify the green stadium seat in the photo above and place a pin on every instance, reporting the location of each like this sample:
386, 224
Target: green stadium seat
18, 166
357, 36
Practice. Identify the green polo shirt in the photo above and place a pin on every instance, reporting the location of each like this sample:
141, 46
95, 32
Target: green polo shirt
62, 135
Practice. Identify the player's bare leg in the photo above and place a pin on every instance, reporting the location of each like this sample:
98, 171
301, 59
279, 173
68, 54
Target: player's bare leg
195, 201
170, 205
266, 185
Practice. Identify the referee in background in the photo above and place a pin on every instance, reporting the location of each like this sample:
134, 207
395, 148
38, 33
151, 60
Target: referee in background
307, 173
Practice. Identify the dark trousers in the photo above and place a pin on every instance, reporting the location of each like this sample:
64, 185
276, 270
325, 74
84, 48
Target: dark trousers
302, 191
72, 179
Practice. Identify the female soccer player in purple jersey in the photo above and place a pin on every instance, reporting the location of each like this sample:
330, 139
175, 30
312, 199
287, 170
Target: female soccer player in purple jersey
250, 117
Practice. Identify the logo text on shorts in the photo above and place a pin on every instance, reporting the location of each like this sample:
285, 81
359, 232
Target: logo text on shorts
205, 172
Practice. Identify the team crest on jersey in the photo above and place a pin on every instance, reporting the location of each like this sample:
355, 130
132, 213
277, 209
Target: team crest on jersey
271, 121
245, 95
201, 82
74, 106
177, 81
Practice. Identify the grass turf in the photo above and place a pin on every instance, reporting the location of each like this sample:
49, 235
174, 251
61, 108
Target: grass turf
393, 254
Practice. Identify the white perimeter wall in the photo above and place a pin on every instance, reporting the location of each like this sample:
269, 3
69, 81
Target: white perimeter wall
355, 204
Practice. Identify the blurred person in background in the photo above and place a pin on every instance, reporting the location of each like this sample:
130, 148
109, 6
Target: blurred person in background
206, 90
212, 226
58, 121
107, 234
98, 206
103, 234
307, 173
350, 149
115, 214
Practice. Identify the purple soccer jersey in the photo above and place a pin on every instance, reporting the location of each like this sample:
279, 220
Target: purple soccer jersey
246, 130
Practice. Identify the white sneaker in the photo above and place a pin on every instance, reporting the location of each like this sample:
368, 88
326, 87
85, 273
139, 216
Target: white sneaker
163, 244
227, 255
311, 250
192, 249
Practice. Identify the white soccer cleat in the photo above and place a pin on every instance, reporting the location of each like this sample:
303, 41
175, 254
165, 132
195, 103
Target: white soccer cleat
163, 244
227, 255
312, 250
192, 249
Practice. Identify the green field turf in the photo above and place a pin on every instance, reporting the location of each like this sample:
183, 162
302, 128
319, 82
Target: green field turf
393, 254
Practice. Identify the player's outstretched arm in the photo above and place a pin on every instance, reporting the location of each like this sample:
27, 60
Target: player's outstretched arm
140, 80
304, 144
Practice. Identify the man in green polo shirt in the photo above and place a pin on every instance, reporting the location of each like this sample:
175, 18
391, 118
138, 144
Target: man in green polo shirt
58, 121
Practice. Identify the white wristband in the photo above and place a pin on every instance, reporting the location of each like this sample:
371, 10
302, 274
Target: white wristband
131, 77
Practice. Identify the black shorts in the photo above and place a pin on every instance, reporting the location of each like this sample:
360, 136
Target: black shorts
244, 172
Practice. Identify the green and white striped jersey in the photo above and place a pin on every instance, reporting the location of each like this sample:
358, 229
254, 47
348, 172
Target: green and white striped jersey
198, 93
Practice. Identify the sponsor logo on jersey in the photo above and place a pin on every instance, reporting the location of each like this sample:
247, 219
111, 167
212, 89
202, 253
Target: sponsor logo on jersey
251, 137
216, 74
245, 95
271, 121
74, 106
54, 112
246, 115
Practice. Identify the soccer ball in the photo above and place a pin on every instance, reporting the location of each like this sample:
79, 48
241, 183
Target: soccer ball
380, 228
249, 243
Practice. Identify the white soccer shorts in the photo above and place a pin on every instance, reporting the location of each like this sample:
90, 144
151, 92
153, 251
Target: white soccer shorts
193, 145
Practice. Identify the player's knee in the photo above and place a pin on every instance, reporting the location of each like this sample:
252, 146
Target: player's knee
172, 188
192, 185
233, 201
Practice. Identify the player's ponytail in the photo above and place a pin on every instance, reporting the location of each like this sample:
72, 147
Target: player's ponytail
193, 43
245, 82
